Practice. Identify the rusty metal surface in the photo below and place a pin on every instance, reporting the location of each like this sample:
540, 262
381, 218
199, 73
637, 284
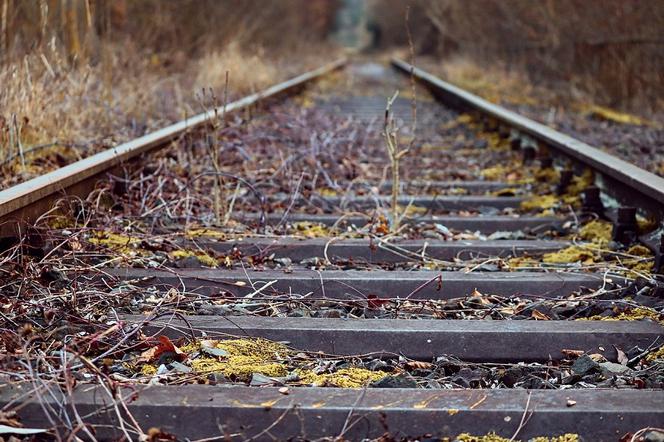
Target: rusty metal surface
358, 284
201, 411
372, 251
637, 184
15, 202
424, 339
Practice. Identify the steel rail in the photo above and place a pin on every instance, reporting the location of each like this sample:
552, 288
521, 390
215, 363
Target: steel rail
250, 413
626, 182
26, 201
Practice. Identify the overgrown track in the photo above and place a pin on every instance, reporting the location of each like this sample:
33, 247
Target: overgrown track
249, 281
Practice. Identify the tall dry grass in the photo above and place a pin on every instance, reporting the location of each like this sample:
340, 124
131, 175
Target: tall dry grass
612, 50
80, 75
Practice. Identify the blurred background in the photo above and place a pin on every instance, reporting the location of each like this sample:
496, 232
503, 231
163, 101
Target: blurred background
95, 72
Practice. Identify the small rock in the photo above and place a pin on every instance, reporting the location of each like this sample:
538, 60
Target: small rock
284, 261
511, 376
401, 381
653, 436
571, 403
611, 368
332, 313
584, 365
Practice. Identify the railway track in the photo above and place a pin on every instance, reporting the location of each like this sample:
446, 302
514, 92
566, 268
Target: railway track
233, 275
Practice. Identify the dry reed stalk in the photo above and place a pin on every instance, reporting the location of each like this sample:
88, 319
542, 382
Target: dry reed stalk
4, 30
395, 153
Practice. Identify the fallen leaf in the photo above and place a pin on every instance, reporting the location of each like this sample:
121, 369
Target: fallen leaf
419, 365
375, 303
622, 357
572, 353
164, 345
537, 315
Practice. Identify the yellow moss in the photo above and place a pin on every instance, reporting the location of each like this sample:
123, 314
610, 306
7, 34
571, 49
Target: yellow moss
569, 437
464, 119
645, 224
327, 192
522, 261
491, 437
345, 378
580, 183
412, 210
206, 232
244, 357
540, 202
570, 255
634, 314
148, 370
202, 257
495, 172
572, 200
604, 113
656, 355
598, 232
547, 175
311, 230
117, 242
508, 191
644, 264
61, 222
639, 250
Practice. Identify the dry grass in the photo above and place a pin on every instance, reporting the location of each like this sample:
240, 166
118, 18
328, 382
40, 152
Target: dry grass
611, 50
101, 73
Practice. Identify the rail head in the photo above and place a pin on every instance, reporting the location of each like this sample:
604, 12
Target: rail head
613, 170
20, 203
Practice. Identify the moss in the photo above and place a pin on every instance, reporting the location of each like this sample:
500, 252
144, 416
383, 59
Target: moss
412, 210
570, 254
202, 257
540, 202
326, 191
604, 113
644, 264
148, 370
117, 242
345, 378
547, 175
645, 225
580, 183
61, 222
657, 355
598, 232
508, 191
569, 437
311, 230
522, 261
493, 437
494, 173
632, 314
206, 232
244, 358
